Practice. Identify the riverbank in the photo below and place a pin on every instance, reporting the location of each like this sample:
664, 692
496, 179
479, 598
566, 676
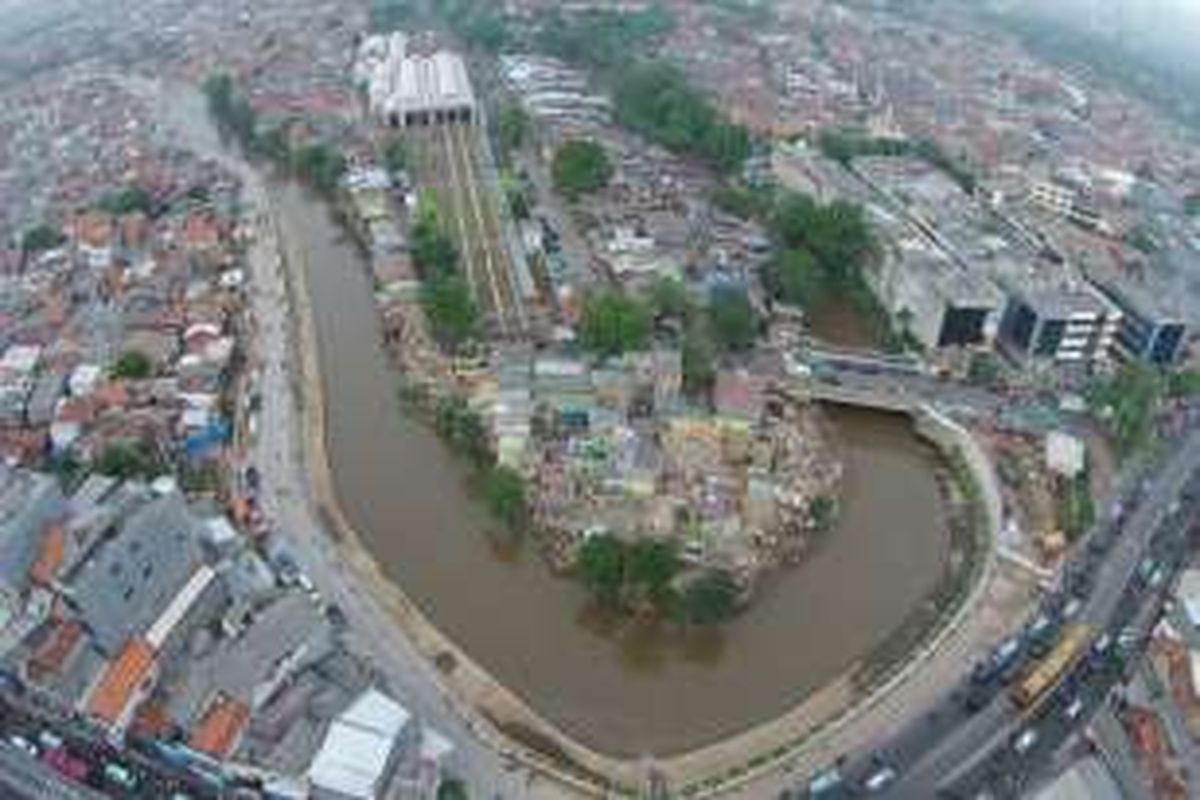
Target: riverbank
409, 514
458, 544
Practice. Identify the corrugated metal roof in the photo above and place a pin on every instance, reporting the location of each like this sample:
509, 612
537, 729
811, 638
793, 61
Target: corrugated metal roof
354, 756
179, 606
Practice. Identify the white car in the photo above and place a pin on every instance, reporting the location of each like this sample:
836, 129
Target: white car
1025, 742
1074, 709
879, 779
21, 743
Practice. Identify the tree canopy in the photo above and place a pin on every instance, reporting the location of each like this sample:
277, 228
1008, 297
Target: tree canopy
613, 324
581, 166
602, 38
733, 320
450, 309
127, 200
127, 459
132, 365
656, 101
41, 238
393, 153
504, 495
601, 566
512, 127
709, 599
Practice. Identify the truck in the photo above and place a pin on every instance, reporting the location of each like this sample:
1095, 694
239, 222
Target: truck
1045, 673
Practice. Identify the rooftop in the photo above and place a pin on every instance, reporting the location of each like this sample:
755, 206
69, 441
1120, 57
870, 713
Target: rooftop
111, 696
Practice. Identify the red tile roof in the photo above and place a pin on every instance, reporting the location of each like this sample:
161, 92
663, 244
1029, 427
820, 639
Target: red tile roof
220, 728
121, 680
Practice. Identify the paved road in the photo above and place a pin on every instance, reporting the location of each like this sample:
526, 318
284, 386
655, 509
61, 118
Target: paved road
954, 754
284, 494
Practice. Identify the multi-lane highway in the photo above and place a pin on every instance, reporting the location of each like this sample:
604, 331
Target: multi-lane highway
976, 743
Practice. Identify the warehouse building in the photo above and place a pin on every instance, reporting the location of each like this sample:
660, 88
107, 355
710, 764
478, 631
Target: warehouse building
938, 302
405, 88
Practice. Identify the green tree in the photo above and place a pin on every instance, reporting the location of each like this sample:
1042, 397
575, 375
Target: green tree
319, 166
132, 365
733, 321
984, 369
451, 789
668, 299
433, 254
504, 494
603, 38
601, 566
581, 166
1128, 403
794, 277
127, 200
699, 360
127, 459
512, 127
821, 513
709, 599
393, 153
613, 324
450, 309
651, 565
656, 101
41, 238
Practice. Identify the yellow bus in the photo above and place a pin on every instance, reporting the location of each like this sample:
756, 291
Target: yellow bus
1043, 675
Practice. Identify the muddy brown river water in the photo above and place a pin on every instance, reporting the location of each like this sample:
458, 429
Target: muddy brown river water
623, 692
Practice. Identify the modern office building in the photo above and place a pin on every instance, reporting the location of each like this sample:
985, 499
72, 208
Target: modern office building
1065, 324
1151, 329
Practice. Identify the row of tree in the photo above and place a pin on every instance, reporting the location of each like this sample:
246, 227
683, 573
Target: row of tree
445, 295
603, 39
844, 146
315, 163
647, 575
656, 101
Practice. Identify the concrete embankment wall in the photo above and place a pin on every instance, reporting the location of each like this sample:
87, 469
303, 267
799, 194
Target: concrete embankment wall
952, 438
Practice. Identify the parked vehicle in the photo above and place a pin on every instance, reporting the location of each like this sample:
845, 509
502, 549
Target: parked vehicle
880, 779
1025, 741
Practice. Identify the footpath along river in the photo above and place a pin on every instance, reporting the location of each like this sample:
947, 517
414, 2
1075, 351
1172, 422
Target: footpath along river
622, 693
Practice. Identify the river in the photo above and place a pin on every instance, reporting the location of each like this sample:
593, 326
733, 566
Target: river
623, 692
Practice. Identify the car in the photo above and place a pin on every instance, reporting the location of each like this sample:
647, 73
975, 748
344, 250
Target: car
1025, 741
1157, 578
50, 740
1145, 569
21, 743
1072, 608
825, 782
1005, 654
877, 781
1073, 709
120, 775
1102, 644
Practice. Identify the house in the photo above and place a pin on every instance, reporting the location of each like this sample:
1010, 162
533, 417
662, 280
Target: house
133, 577
220, 728
29, 503
361, 749
126, 680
